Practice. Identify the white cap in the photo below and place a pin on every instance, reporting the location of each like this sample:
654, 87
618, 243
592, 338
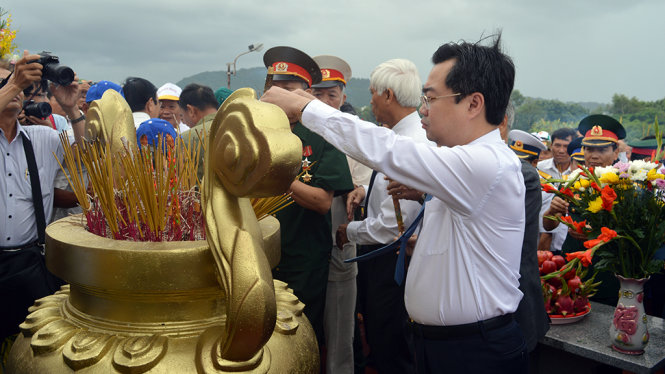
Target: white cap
169, 91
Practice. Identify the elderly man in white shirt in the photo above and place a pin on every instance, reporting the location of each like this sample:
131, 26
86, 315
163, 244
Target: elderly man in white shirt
396, 87
462, 284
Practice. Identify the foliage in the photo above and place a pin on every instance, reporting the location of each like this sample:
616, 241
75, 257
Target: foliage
365, 113
534, 111
7, 36
622, 207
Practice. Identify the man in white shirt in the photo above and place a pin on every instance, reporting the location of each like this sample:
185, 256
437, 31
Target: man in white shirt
462, 283
556, 167
141, 95
28, 165
395, 86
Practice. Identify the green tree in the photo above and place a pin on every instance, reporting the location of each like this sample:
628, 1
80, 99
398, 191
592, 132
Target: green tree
517, 98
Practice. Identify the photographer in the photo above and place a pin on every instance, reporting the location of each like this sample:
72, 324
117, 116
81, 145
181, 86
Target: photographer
27, 194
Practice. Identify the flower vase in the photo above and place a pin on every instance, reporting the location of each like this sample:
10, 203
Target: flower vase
628, 330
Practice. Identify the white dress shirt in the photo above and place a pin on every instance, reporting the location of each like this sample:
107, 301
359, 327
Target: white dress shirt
548, 166
561, 231
465, 266
18, 225
139, 118
380, 226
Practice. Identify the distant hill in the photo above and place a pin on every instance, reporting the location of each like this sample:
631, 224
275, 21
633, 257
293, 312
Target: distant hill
357, 91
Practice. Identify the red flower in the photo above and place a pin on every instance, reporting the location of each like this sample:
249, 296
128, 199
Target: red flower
607, 234
608, 195
585, 257
595, 186
591, 243
580, 226
548, 188
566, 191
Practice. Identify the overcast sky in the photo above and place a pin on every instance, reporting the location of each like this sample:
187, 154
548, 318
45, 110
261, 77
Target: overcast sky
569, 50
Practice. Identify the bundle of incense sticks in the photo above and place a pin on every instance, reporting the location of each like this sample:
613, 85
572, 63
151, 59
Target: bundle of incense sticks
149, 194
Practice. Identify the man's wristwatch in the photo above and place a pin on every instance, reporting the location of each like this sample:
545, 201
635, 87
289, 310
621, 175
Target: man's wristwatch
77, 120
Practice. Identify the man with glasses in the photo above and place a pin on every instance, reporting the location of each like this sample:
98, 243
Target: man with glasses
462, 284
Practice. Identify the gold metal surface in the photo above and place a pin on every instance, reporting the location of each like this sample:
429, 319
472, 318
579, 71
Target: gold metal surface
110, 119
251, 153
134, 307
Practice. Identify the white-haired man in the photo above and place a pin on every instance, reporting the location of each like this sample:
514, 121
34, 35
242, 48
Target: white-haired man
396, 88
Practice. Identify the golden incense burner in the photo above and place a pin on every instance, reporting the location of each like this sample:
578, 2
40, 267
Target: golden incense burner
190, 306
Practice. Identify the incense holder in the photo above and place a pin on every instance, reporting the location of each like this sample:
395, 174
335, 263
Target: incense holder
182, 307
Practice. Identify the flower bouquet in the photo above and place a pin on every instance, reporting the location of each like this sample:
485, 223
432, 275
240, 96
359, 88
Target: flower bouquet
620, 209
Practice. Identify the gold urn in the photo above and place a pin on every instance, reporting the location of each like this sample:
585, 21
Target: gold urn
182, 307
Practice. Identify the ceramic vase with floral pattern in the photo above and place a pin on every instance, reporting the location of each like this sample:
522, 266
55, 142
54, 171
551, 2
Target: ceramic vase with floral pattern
628, 330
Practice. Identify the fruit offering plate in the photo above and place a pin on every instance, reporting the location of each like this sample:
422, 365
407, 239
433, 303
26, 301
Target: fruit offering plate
558, 319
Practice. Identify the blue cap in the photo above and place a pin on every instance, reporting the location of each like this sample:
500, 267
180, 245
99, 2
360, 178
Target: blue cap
153, 128
96, 91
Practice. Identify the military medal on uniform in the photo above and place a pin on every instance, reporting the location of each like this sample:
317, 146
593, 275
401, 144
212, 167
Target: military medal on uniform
306, 165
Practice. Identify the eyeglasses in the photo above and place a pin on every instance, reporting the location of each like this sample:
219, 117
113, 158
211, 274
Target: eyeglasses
426, 100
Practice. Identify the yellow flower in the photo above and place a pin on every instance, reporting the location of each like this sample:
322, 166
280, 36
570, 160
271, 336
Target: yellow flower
595, 205
581, 184
653, 175
609, 178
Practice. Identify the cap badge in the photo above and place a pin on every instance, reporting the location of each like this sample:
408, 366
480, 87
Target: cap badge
519, 144
596, 131
282, 66
325, 73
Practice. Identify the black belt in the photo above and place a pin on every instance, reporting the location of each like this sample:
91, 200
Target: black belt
24, 246
458, 331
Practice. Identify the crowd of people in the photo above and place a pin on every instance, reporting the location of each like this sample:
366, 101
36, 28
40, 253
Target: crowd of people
443, 159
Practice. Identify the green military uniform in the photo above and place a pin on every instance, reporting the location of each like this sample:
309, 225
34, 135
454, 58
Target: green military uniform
194, 135
306, 239
599, 131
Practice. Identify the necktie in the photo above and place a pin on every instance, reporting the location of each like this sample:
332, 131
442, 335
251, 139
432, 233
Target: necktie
399, 243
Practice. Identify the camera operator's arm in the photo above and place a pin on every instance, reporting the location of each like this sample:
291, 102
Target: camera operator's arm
23, 76
67, 97
64, 199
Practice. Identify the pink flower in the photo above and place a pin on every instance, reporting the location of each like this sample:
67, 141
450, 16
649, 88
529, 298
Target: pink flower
660, 183
622, 166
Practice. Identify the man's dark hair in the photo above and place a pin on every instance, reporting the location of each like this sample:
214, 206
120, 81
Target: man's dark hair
348, 108
483, 69
137, 92
198, 96
564, 133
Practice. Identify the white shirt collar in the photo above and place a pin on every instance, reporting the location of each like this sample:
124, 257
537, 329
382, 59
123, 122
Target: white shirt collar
402, 124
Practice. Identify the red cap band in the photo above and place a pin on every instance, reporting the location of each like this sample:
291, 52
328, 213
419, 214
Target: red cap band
289, 68
332, 75
598, 133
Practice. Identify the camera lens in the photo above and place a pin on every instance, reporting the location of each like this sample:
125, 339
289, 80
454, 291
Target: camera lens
40, 110
62, 75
